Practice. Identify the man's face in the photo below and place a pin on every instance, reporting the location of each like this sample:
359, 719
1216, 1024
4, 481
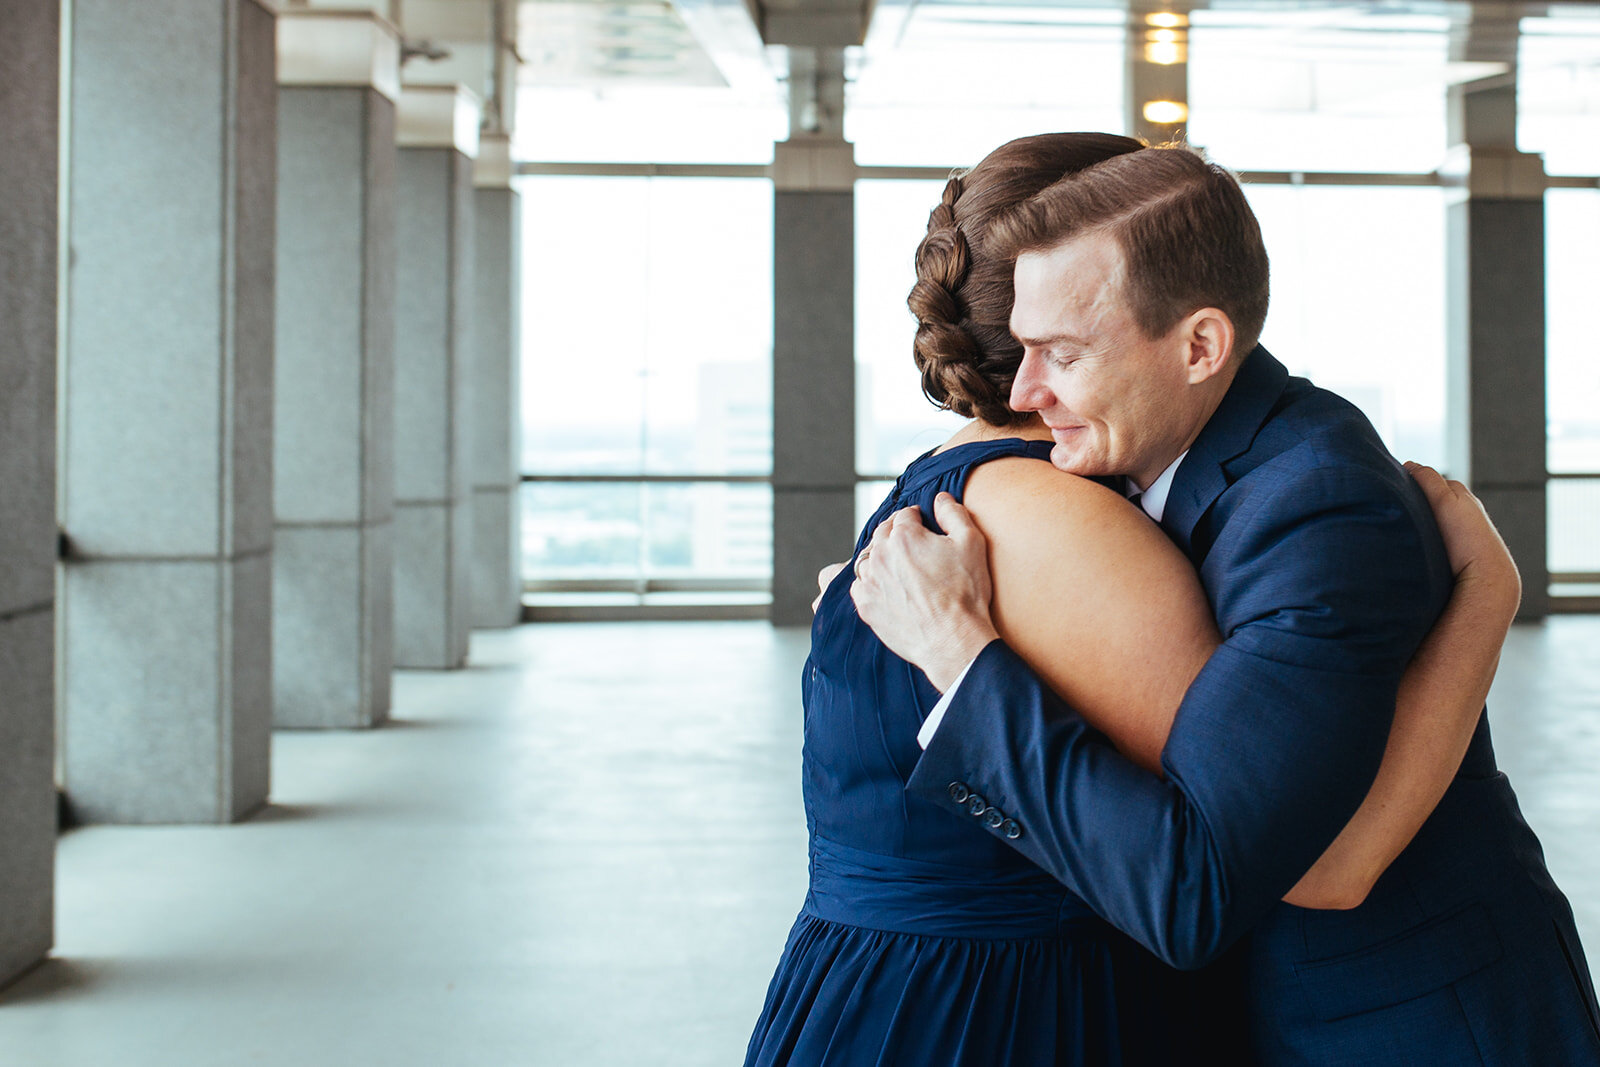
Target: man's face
1114, 400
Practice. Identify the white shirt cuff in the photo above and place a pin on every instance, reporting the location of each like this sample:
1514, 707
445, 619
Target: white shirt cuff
931, 724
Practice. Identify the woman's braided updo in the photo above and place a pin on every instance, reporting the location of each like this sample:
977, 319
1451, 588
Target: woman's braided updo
962, 297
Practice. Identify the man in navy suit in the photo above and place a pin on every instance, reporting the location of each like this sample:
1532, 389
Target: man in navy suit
1141, 289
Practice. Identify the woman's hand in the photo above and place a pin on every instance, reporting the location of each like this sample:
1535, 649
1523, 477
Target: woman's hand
1478, 555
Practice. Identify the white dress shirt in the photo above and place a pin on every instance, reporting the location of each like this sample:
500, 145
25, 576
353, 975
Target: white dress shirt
1154, 503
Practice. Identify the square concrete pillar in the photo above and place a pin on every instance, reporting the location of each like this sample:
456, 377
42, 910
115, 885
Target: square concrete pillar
438, 137
1495, 297
167, 423
333, 567
496, 417
813, 370
30, 49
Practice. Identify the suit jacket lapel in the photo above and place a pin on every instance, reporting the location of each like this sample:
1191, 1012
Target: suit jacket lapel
1201, 477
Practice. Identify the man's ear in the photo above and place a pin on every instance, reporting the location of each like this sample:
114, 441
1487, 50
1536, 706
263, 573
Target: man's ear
1208, 337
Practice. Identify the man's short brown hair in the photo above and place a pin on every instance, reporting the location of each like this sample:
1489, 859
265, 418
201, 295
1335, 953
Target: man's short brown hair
1187, 235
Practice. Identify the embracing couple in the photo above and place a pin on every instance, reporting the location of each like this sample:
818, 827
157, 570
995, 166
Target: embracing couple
1209, 780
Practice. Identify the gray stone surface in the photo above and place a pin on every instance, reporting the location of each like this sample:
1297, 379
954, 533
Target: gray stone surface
496, 577
810, 529
27, 788
494, 426
245, 585
433, 297
333, 637
813, 461
167, 719
319, 624
1522, 517
167, 487
28, 115
171, 251
433, 358
430, 593
1505, 261
321, 284
1496, 413
30, 40
332, 616
814, 340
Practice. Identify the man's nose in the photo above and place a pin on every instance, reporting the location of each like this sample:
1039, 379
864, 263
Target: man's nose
1027, 393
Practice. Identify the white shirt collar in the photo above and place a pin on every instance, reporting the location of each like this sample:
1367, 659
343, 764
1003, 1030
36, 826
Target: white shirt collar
1154, 500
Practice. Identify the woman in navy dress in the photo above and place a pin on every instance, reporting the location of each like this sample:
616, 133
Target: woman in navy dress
924, 940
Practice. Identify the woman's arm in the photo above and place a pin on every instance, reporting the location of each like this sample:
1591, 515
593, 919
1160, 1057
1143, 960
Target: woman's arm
1094, 597
1440, 700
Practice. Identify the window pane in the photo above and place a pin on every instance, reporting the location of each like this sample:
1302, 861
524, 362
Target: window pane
631, 82
1572, 263
1574, 522
868, 496
941, 84
1323, 89
895, 423
1366, 325
647, 325
1558, 90
639, 531
629, 124
581, 531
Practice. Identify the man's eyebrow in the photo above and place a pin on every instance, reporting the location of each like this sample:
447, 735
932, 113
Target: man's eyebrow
1055, 338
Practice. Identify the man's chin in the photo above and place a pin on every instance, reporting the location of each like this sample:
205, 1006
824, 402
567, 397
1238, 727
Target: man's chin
1074, 461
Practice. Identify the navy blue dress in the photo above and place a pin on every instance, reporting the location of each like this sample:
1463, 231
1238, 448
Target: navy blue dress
925, 940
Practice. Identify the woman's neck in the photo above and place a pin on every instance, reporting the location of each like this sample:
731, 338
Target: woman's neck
978, 430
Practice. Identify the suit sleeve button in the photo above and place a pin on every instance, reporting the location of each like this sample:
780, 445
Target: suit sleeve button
994, 818
959, 792
1011, 829
976, 804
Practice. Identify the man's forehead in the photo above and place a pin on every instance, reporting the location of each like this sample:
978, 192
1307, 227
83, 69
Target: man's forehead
1080, 274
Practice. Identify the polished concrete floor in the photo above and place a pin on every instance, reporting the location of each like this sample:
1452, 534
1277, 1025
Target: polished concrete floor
583, 850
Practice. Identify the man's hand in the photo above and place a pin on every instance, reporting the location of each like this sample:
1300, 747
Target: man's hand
824, 579
926, 596
1477, 554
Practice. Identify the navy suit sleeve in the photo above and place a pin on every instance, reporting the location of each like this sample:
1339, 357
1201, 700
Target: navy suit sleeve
1327, 585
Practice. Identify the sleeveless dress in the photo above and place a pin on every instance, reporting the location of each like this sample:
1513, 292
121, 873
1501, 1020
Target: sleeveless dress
924, 940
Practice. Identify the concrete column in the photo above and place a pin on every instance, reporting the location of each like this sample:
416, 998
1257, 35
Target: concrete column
438, 136
30, 52
167, 486
813, 354
496, 418
333, 563
1157, 86
1495, 296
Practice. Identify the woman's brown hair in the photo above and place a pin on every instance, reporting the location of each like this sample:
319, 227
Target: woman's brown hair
963, 295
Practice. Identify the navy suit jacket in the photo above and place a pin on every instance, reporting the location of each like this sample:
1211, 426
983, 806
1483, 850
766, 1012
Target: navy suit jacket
1325, 570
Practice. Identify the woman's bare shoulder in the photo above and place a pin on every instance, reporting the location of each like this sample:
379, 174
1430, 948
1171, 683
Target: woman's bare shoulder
1022, 498
1093, 596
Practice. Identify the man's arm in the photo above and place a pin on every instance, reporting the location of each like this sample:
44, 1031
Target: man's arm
1273, 748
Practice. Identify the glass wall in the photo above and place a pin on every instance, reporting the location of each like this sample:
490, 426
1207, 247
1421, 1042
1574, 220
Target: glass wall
1321, 89
647, 361
895, 423
1358, 301
1572, 263
940, 84
1558, 90
647, 324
